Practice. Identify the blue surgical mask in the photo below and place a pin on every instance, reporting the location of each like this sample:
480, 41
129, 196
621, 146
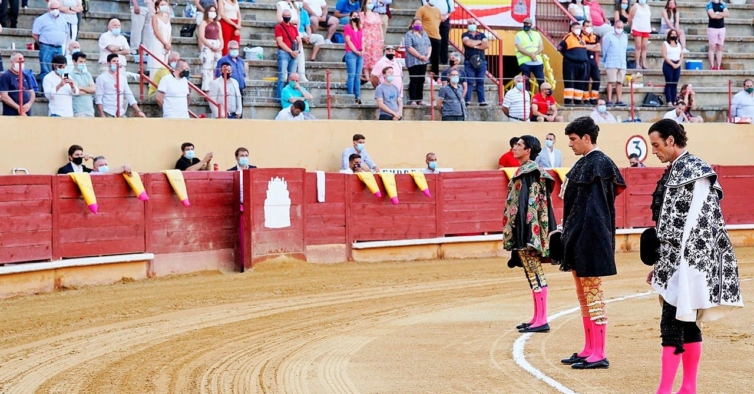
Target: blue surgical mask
233, 53
164, 8
642, 1
370, 6
189, 154
520, 85
116, 32
103, 169
243, 161
81, 67
389, 78
624, 6
432, 165
74, 50
292, 84
549, 143
359, 147
472, 28
173, 64
60, 71
602, 109
455, 79
113, 67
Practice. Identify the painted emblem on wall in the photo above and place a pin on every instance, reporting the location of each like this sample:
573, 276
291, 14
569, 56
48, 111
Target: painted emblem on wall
277, 205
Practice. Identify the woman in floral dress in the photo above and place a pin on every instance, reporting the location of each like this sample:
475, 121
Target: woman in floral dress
373, 40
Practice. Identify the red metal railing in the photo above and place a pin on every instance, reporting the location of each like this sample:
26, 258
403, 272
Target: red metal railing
21, 79
144, 78
459, 21
328, 72
553, 20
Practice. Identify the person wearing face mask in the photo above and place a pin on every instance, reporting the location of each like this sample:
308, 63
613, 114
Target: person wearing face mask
343, 10
211, 40
475, 62
238, 69
593, 48
600, 114
388, 98
717, 11
431, 19
100, 167
222, 86
621, 13
173, 92
455, 60
162, 72
293, 92
162, 40
671, 18
289, 5
59, 89
288, 42
639, 18
575, 60
551, 157
50, 32
388, 60
517, 102
418, 51
597, 17
76, 159
242, 163
673, 55
529, 48
373, 38
742, 105
112, 42
450, 99
543, 106
358, 148
189, 162
141, 24
354, 57
614, 48
73, 47
83, 103
9, 88
431, 160
107, 92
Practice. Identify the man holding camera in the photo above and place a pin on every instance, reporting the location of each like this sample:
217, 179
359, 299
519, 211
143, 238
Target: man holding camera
59, 89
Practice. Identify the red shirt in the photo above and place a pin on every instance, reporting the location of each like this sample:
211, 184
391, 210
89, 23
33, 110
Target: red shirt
280, 31
507, 160
543, 105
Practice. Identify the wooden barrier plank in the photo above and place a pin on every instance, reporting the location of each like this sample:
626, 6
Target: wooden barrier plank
637, 198
110, 247
474, 202
20, 208
737, 183
103, 234
25, 192
104, 186
224, 222
31, 222
90, 222
25, 238
26, 253
6, 180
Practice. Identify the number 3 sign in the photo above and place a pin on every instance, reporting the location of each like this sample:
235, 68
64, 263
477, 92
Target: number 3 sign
637, 145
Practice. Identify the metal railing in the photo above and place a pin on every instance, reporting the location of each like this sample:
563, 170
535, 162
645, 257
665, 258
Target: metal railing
553, 20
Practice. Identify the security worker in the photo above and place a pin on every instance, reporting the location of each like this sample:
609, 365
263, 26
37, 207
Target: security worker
593, 46
575, 59
529, 47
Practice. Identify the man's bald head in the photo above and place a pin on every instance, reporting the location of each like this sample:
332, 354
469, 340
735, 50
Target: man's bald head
113, 24
53, 4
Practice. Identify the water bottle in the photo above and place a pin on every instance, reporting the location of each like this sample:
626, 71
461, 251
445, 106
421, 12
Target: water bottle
619, 119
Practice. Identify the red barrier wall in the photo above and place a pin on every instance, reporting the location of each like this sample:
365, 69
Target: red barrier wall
326, 222
473, 202
25, 218
738, 186
637, 198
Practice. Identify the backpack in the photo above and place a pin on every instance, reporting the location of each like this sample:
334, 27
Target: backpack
652, 100
338, 38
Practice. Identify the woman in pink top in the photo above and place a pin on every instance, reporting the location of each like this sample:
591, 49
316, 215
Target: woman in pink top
373, 39
354, 55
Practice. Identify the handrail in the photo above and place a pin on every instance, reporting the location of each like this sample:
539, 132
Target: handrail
143, 77
553, 20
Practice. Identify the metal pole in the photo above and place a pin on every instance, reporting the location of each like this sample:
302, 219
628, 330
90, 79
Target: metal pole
730, 101
633, 118
328, 98
141, 72
524, 99
117, 90
500, 85
20, 88
431, 95
226, 111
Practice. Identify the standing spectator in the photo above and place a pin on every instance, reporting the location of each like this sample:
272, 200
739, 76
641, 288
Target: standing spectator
576, 9
226, 88
295, 92
388, 61
294, 112
475, 62
10, 92
592, 42
68, 11
162, 42
141, 24
431, 160
211, 40
112, 42
344, 9
83, 103
318, 14
446, 8
374, 41
507, 159
621, 14
230, 17
354, 55
600, 114
236, 64
50, 32
73, 47
455, 60
678, 114
418, 51
431, 19
307, 37
600, 23
189, 162
529, 48
717, 11
517, 102
383, 9
76, 159
687, 95
202, 7
543, 106
173, 92
639, 18
450, 98
358, 148
671, 20
671, 68
106, 96
575, 59
172, 62
614, 47
742, 105
550, 157
59, 89
9, 10
288, 41
289, 5
388, 97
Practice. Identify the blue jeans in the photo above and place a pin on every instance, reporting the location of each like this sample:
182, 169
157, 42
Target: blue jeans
354, 65
286, 65
672, 75
475, 76
46, 52
539, 73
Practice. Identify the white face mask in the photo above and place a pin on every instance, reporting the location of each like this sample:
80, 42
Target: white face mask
212, 15
55, 13
16, 67
618, 31
577, 32
588, 30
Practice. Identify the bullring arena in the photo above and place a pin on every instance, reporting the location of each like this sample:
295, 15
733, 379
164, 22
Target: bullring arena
419, 298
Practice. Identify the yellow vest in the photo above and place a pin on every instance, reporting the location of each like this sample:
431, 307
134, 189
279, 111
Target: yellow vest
531, 45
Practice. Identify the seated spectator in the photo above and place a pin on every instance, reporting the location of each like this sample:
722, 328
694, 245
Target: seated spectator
294, 112
295, 92
222, 87
450, 99
550, 156
354, 165
59, 89
600, 114
106, 95
678, 114
173, 93
100, 167
343, 10
76, 158
242, 160
73, 47
388, 60
600, 23
517, 102
543, 107
633, 159
238, 69
577, 10
742, 105
687, 95
289, 5
9, 88
318, 14
50, 31
112, 42
388, 97
507, 159
309, 38
159, 74
455, 61
189, 161
431, 160
358, 148
83, 103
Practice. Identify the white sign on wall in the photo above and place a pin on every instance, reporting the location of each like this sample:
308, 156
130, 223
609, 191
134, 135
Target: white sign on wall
277, 205
637, 145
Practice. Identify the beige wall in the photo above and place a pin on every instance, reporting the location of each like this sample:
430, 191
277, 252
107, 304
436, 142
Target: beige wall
40, 144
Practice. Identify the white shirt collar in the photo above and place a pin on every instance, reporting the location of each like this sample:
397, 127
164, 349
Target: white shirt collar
596, 148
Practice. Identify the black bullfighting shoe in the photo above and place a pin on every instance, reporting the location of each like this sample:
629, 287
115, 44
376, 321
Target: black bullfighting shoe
573, 359
523, 325
543, 328
601, 364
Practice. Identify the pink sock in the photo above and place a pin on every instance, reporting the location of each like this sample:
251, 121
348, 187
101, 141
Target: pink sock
536, 306
541, 307
691, 357
599, 342
670, 362
587, 322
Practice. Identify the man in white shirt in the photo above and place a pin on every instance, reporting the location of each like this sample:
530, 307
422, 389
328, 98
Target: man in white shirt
354, 165
600, 113
517, 102
550, 157
431, 160
743, 102
112, 42
59, 89
678, 114
173, 92
294, 112
319, 17
222, 87
106, 96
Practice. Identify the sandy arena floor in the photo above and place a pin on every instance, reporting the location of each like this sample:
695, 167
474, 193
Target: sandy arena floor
290, 327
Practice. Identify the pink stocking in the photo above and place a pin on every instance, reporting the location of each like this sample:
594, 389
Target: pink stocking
670, 362
536, 307
588, 349
540, 307
691, 356
599, 342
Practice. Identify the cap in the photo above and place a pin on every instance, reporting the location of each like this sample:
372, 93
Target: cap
389, 47
529, 21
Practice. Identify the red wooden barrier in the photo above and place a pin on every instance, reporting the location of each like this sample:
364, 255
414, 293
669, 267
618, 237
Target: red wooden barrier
473, 202
738, 185
25, 218
377, 219
118, 227
210, 223
326, 222
641, 183
557, 202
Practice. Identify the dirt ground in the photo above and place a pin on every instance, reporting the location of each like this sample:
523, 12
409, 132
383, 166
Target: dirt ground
291, 327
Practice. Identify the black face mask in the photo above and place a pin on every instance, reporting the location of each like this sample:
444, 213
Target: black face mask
185, 74
356, 20
286, 19
634, 164
390, 56
453, 63
77, 160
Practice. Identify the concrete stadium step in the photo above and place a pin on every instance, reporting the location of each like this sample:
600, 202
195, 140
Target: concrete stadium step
688, 9
700, 43
706, 78
705, 96
731, 60
736, 26
647, 115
